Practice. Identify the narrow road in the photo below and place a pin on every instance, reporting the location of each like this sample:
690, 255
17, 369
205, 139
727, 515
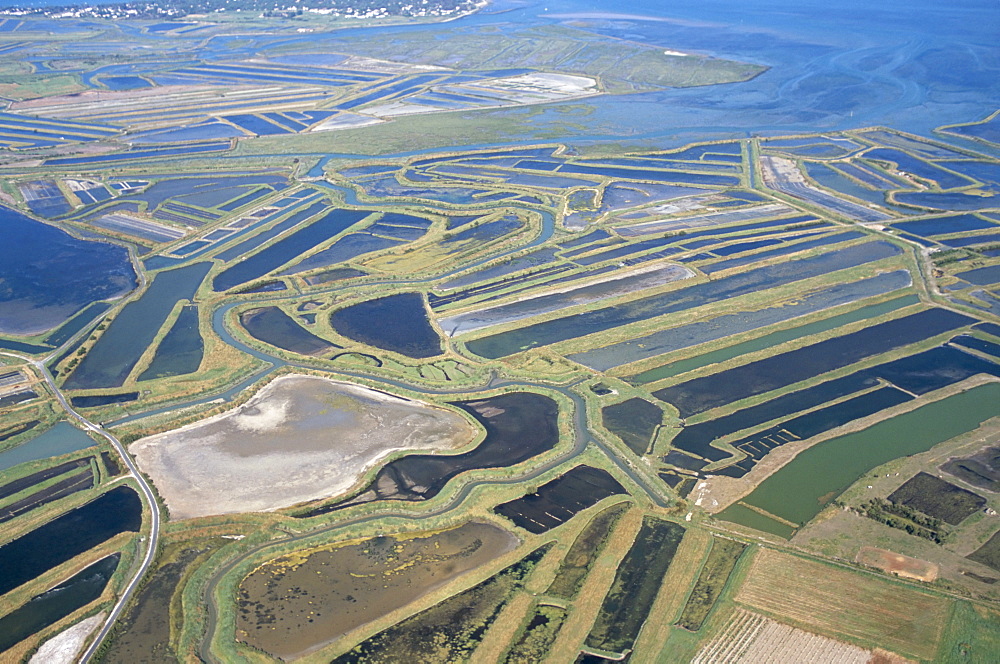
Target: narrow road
147, 492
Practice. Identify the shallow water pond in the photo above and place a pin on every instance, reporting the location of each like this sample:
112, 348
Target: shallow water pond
40, 294
298, 603
397, 323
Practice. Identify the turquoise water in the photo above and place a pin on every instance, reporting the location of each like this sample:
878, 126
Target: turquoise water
801, 489
63, 438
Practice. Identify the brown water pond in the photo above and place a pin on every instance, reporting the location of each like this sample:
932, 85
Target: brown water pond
303, 601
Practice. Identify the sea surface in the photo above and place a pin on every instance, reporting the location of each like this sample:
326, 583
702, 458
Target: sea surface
911, 65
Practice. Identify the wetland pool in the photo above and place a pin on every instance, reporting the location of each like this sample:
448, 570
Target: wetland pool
117, 351
273, 326
599, 320
40, 294
56, 603
298, 603
62, 438
519, 426
69, 535
729, 324
398, 323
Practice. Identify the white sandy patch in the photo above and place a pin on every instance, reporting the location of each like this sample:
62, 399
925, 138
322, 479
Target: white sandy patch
265, 417
535, 88
403, 108
67, 644
544, 82
386, 66
778, 169
345, 121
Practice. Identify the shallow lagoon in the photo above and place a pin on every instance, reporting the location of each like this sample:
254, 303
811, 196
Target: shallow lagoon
909, 65
349, 585
273, 326
63, 438
57, 603
118, 350
298, 439
397, 323
69, 535
38, 294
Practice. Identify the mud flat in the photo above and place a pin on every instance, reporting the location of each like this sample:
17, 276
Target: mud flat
298, 603
300, 438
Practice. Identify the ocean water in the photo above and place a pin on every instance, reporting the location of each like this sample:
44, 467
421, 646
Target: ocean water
911, 65
908, 64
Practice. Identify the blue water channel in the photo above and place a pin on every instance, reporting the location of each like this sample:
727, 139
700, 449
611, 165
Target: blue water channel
117, 351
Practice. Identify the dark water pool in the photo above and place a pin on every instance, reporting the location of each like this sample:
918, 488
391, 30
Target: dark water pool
519, 426
397, 323
69, 535
556, 502
49, 275
181, 350
53, 605
599, 320
273, 326
117, 351
284, 250
93, 400
701, 394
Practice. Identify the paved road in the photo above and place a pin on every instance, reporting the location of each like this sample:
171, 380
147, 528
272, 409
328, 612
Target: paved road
147, 491
154, 510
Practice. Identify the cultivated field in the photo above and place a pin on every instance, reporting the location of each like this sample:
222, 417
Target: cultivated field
845, 604
750, 638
